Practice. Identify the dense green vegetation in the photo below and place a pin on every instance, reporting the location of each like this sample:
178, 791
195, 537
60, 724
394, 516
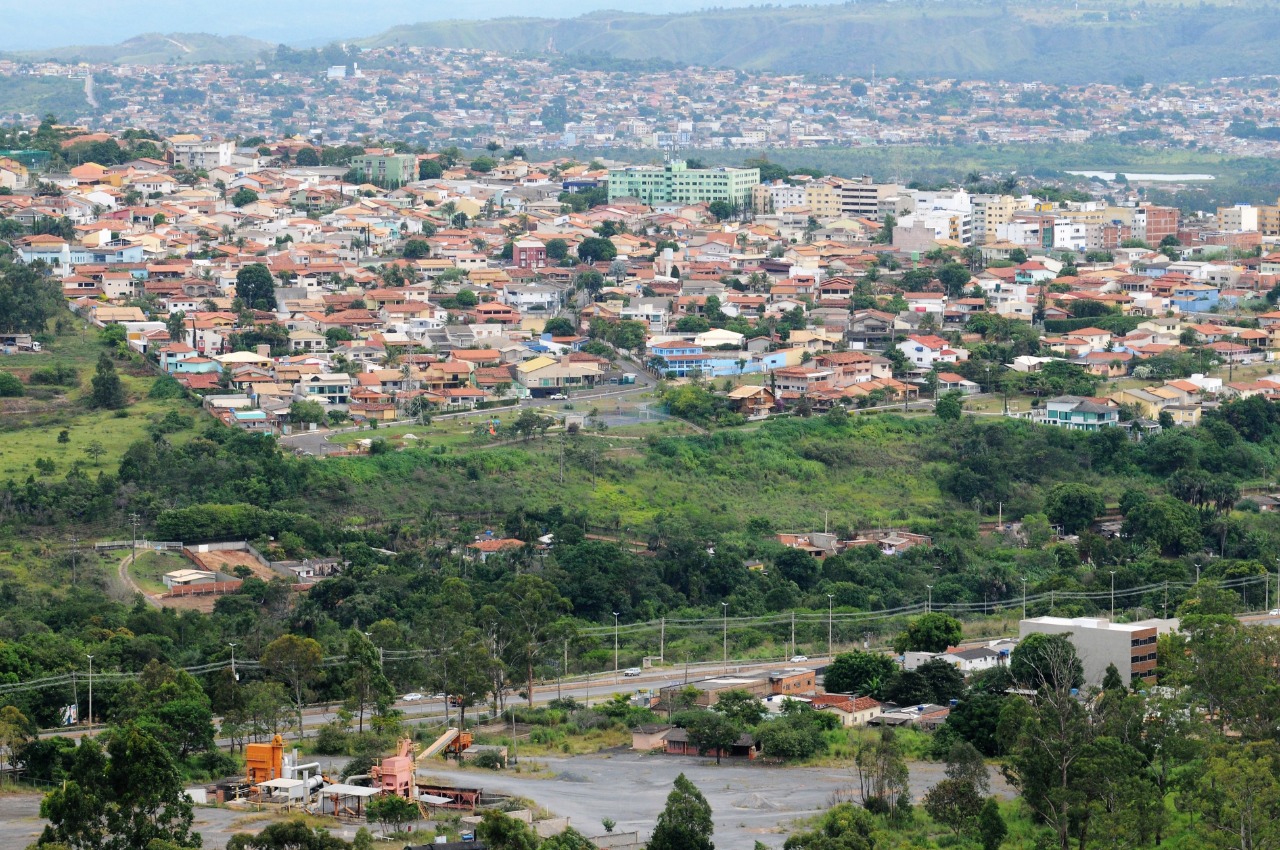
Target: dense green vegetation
975, 39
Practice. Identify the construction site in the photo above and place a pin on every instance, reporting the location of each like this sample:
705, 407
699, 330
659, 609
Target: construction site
277, 781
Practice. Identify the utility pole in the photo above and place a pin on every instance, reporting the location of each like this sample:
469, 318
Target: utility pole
1166, 599
928, 605
234, 677
724, 606
1197, 572
90, 694
830, 602
615, 647
133, 520
1024, 597
1113, 596
793, 633
75, 550
662, 640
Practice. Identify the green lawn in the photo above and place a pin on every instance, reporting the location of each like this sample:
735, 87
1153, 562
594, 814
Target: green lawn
148, 570
30, 426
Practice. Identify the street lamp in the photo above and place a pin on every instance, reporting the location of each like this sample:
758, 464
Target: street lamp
830, 602
928, 606
724, 606
615, 646
234, 675
90, 694
1197, 572
1113, 596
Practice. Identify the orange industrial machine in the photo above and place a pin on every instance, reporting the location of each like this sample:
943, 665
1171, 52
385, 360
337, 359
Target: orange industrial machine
263, 761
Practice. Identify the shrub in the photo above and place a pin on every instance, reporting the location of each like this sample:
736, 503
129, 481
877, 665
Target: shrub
488, 760
10, 386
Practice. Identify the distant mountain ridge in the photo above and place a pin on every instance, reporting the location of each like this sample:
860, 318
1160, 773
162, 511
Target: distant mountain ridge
962, 40
973, 39
155, 48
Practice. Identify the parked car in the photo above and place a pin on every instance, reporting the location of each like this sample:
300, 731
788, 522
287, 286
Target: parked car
797, 659
559, 397
412, 697
631, 671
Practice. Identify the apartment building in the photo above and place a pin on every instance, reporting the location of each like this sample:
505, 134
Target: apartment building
193, 152
861, 198
1100, 642
386, 168
676, 182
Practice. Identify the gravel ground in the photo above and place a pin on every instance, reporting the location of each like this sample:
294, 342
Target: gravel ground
749, 802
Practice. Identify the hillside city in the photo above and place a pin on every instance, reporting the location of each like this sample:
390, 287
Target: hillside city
435, 97
422, 469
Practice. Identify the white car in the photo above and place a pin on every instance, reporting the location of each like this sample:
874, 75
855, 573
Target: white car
796, 659
558, 397
1274, 612
631, 671
413, 697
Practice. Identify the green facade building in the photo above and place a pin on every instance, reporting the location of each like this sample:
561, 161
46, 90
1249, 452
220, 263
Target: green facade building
387, 169
676, 183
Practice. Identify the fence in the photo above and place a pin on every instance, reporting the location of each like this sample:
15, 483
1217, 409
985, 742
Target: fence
157, 545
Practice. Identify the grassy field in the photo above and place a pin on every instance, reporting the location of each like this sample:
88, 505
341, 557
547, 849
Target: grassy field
150, 567
57, 424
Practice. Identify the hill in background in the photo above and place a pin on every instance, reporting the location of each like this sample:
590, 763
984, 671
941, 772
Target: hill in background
1061, 45
154, 48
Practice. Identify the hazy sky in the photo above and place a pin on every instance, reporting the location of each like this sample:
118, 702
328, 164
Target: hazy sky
30, 25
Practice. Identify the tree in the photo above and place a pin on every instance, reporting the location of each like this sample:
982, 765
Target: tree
1238, 797
534, 615
881, 769
483, 164
15, 731
557, 249
108, 391
29, 298
304, 412
307, 157
243, 197
596, 249
1047, 661
175, 325
429, 169
120, 799
944, 681
884, 236
932, 632
591, 281
685, 822
1074, 506
740, 707
571, 839
392, 811
256, 287
859, 673
843, 827
416, 249
712, 732
721, 209
991, 826
466, 298
296, 660
1111, 680
559, 326
503, 832
11, 386
954, 277
954, 804
950, 407
365, 682
294, 834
